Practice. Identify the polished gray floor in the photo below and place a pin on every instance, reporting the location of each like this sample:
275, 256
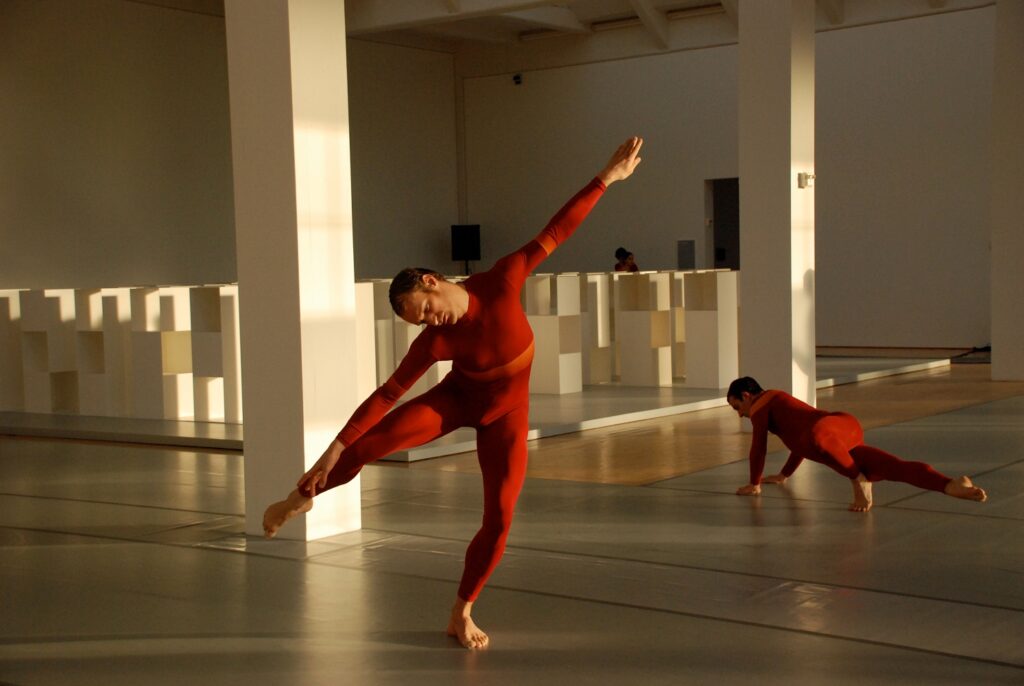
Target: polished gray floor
126, 565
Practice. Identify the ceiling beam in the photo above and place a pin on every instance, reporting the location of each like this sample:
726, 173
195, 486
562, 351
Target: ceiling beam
653, 20
368, 16
554, 18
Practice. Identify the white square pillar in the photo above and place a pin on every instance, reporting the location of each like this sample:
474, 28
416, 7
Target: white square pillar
288, 85
776, 144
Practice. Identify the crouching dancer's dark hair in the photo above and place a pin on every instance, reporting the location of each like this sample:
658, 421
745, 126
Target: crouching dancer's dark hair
744, 383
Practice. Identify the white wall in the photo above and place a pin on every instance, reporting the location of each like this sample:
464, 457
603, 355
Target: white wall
902, 154
404, 174
530, 147
115, 160
904, 112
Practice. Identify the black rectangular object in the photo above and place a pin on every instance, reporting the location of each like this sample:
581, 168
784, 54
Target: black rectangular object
465, 242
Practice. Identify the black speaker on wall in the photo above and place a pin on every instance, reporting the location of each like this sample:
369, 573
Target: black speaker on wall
465, 243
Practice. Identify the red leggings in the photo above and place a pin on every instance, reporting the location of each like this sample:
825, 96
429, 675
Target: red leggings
501, 451
837, 441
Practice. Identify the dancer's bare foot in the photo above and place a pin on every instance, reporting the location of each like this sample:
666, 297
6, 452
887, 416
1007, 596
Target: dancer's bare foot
962, 487
463, 628
283, 510
861, 494
774, 479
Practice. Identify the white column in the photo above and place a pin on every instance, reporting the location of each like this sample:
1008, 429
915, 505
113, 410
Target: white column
776, 143
293, 226
1007, 199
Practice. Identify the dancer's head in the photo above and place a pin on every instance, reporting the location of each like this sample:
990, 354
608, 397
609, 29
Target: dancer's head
741, 394
422, 296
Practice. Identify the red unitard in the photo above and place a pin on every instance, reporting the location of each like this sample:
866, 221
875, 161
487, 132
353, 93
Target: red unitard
491, 349
835, 439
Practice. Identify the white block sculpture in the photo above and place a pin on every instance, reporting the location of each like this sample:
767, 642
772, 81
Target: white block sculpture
677, 297
643, 329
11, 377
384, 330
712, 349
216, 381
596, 324
102, 325
48, 350
405, 334
552, 304
161, 360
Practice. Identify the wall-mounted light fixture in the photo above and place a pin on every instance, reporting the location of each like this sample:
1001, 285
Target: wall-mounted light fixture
804, 180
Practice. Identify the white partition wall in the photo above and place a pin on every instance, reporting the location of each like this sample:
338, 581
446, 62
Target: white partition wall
712, 344
552, 305
596, 322
11, 384
642, 329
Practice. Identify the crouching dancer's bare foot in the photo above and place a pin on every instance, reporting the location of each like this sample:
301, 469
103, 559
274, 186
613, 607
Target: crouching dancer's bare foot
462, 627
962, 487
861, 494
283, 510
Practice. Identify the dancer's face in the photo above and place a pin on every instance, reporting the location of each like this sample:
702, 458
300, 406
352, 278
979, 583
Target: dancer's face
431, 304
742, 404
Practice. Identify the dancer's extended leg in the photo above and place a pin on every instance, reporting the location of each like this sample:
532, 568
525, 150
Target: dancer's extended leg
879, 465
422, 419
501, 450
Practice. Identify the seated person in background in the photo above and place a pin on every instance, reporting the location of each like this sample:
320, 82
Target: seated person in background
625, 262
835, 439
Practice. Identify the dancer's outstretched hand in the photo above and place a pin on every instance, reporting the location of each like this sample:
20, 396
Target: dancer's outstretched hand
623, 162
316, 477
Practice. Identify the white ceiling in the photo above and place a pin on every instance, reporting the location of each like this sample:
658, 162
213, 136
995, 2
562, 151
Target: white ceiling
457, 24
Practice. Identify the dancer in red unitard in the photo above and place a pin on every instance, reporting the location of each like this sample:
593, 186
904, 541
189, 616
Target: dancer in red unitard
835, 439
480, 326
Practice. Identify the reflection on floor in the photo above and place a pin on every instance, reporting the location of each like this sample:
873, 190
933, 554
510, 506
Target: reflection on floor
550, 415
126, 565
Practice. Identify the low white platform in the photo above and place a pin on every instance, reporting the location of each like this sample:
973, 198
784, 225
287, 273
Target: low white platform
550, 415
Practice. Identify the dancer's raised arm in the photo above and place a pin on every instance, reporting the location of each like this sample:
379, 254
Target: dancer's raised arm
620, 166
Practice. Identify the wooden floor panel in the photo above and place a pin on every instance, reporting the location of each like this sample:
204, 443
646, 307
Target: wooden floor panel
653, 450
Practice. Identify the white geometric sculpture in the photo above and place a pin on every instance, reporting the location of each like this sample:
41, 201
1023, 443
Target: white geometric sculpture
712, 349
48, 350
384, 330
102, 325
161, 359
216, 381
596, 324
677, 297
12, 394
642, 329
552, 304
405, 333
